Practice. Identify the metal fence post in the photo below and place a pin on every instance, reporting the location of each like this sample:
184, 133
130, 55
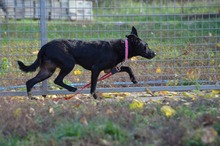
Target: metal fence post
43, 29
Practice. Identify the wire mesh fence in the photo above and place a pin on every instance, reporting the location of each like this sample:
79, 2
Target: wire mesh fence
184, 34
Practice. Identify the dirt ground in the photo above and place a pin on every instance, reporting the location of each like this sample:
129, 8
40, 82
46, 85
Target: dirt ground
160, 118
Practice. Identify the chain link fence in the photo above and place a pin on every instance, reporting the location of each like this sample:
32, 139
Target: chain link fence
185, 35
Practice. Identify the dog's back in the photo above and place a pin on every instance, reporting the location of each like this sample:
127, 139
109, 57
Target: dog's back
84, 53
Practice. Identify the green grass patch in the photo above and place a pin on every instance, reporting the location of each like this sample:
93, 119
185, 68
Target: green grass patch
109, 122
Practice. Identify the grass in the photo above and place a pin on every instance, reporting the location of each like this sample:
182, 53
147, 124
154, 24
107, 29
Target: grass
93, 122
169, 35
141, 10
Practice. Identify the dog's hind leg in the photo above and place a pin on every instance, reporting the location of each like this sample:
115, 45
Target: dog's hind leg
95, 73
46, 70
65, 70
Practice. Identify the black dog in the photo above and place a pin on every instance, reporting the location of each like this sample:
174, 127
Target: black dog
92, 55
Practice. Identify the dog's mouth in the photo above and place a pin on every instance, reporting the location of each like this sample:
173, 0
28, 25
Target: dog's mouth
153, 54
149, 55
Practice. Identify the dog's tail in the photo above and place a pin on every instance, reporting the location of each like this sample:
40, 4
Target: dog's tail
30, 68
33, 67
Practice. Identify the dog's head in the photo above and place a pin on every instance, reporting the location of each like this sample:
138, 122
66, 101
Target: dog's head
137, 47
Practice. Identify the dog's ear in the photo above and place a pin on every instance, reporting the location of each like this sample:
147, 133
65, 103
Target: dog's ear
132, 37
134, 31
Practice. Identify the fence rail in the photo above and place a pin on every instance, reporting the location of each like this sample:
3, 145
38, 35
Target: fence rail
185, 35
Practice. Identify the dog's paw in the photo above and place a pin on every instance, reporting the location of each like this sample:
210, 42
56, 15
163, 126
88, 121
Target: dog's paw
134, 80
94, 95
33, 98
44, 96
73, 89
30, 97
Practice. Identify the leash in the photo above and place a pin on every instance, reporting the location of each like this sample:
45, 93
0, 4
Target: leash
107, 75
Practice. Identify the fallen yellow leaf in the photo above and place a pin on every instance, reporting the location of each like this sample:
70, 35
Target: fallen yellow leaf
209, 135
107, 95
187, 103
136, 104
17, 112
149, 91
209, 95
189, 95
120, 98
134, 59
115, 94
20, 98
168, 111
32, 111
216, 91
35, 52
162, 93
125, 94
109, 112
158, 70
51, 111
83, 121
77, 72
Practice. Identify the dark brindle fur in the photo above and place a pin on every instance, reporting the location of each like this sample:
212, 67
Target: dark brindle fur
92, 55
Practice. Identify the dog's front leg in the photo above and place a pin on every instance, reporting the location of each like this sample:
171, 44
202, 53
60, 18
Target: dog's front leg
94, 78
130, 73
